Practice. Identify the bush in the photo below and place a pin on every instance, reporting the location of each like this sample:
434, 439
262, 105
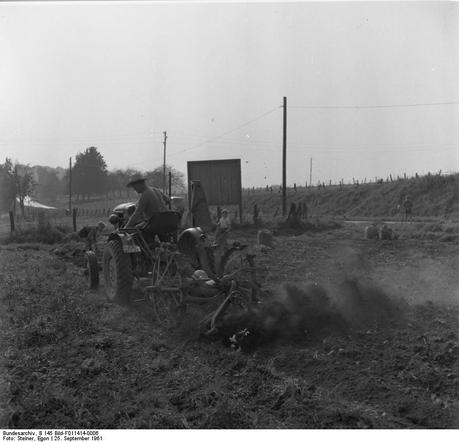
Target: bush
47, 234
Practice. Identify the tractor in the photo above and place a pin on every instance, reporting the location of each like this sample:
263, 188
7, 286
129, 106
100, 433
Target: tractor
173, 269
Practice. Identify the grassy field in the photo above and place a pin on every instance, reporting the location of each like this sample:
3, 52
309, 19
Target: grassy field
433, 197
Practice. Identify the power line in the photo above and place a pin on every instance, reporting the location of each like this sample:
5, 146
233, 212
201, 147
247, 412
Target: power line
381, 149
229, 131
345, 146
377, 106
254, 144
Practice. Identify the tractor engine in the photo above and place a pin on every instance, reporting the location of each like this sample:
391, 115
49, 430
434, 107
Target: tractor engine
121, 214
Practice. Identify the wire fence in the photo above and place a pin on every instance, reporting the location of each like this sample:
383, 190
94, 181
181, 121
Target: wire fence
350, 183
63, 218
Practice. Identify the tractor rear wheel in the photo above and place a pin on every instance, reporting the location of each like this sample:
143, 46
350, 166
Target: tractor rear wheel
118, 275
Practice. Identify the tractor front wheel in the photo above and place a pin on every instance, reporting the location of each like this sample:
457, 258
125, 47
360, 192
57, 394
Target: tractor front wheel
118, 277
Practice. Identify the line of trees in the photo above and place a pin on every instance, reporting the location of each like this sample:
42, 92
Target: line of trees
90, 177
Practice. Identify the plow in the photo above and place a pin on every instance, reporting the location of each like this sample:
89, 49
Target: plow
173, 271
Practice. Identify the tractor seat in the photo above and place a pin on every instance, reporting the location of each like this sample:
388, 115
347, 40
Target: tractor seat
163, 224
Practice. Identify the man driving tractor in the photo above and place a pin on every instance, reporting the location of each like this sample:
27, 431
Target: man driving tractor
151, 201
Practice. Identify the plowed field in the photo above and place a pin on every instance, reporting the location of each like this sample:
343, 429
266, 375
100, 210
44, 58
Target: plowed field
364, 335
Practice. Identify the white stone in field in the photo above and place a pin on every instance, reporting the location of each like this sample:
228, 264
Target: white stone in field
371, 232
265, 238
386, 233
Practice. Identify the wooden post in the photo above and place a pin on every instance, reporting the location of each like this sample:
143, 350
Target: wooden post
70, 185
255, 214
292, 218
74, 219
11, 221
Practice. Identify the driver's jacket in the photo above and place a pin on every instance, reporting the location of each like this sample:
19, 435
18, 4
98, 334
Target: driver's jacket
151, 201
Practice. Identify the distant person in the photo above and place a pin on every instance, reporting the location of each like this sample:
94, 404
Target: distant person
199, 209
151, 201
408, 207
90, 234
304, 212
223, 229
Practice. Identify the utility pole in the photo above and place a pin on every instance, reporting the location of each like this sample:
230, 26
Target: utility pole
164, 163
170, 190
70, 185
284, 161
17, 188
310, 172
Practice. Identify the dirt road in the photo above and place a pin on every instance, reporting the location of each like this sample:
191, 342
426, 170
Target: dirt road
73, 360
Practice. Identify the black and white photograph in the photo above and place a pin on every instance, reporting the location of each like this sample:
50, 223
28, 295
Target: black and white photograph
236, 215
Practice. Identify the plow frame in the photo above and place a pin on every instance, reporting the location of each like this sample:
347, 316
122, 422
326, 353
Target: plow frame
170, 291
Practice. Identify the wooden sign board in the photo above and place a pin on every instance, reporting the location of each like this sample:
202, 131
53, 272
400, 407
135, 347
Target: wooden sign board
220, 180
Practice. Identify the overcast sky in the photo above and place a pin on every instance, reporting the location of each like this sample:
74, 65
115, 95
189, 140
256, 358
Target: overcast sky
213, 75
